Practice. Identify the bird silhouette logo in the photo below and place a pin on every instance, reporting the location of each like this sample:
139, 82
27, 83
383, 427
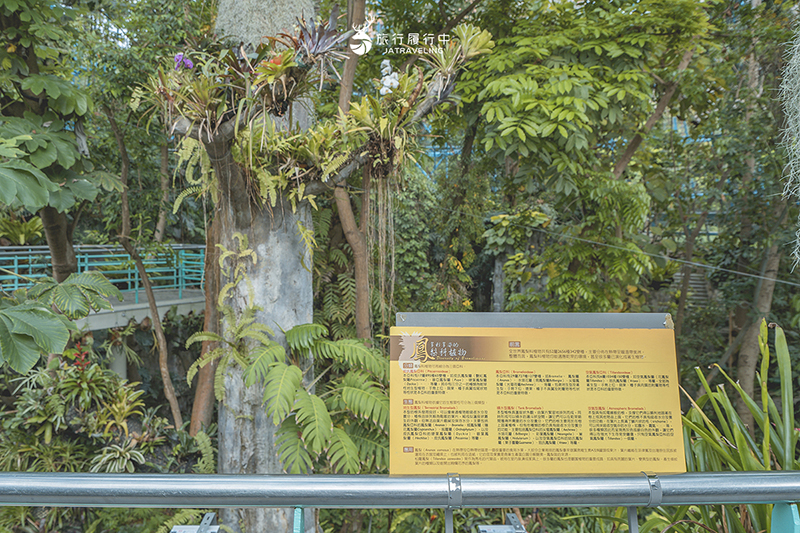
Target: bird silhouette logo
361, 42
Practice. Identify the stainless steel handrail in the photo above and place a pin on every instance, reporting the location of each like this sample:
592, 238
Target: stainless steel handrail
376, 491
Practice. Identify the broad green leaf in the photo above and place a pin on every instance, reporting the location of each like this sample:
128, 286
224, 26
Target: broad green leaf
45, 156
82, 189
46, 330
19, 351
23, 183
61, 200
94, 282
70, 301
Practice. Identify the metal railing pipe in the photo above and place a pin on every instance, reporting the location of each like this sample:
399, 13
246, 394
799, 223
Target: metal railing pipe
376, 491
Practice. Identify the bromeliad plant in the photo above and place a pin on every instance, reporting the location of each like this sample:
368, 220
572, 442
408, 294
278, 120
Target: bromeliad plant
213, 88
725, 444
248, 90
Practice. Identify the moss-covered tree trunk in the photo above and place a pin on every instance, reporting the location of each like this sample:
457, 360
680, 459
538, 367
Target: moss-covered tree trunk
281, 278
281, 286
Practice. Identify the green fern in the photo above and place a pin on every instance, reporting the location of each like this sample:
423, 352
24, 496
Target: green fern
282, 383
355, 354
329, 167
304, 336
182, 518
343, 453
365, 399
372, 444
262, 358
291, 450
183, 195
313, 417
207, 464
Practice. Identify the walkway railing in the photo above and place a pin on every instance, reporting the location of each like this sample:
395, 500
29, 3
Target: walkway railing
373, 491
177, 266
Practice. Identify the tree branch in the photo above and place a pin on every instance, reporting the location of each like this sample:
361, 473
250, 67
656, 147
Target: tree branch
623, 162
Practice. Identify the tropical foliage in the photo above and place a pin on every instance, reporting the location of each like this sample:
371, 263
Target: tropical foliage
72, 415
340, 425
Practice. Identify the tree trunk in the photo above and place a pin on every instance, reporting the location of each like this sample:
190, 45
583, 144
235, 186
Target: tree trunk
749, 352
59, 239
358, 243
762, 303
663, 102
124, 239
203, 406
161, 225
356, 237
355, 17
282, 287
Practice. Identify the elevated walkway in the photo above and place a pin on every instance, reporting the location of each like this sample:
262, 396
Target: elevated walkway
175, 271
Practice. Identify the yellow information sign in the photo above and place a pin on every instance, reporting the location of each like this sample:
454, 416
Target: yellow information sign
534, 401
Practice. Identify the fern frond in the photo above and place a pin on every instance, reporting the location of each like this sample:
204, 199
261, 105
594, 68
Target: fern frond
372, 444
343, 453
365, 399
313, 417
201, 336
291, 451
200, 362
183, 195
303, 336
182, 518
338, 256
329, 167
219, 378
282, 383
207, 463
355, 354
261, 359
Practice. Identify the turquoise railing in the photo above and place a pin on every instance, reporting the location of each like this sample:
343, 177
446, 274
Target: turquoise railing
177, 267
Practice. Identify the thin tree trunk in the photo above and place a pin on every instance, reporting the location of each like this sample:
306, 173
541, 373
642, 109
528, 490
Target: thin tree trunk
749, 352
358, 243
663, 102
124, 239
59, 239
762, 302
355, 17
204, 398
355, 236
161, 225
163, 356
